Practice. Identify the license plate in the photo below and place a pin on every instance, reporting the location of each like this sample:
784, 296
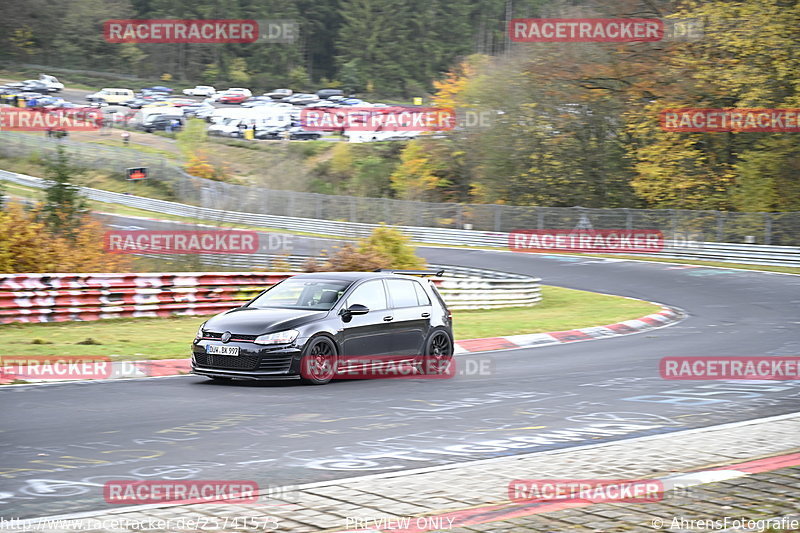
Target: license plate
216, 349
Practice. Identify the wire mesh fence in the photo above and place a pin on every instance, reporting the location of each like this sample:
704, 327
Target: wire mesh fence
781, 229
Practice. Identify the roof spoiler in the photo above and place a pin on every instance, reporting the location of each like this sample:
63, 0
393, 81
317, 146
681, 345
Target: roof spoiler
439, 272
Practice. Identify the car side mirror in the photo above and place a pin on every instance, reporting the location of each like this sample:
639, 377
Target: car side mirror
355, 309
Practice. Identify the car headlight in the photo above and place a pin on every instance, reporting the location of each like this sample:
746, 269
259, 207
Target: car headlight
281, 337
199, 334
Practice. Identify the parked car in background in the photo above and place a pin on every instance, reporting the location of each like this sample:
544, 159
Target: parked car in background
354, 101
196, 109
110, 95
303, 99
269, 134
200, 90
257, 101
278, 94
229, 127
233, 96
50, 101
149, 93
51, 82
297, 133
180, 102
158, 89
36, 86
327, 93
157, 103
203, 112
136, 103
161, 122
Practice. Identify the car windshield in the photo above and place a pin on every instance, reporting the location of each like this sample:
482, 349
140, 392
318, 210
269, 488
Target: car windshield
318, 294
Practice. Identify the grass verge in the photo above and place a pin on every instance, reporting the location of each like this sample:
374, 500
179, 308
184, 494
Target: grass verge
165, 338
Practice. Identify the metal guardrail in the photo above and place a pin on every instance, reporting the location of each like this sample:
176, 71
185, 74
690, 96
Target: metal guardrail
779, 228
707, 251
87, 297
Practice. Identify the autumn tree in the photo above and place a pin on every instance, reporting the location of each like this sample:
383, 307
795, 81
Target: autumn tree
28, 244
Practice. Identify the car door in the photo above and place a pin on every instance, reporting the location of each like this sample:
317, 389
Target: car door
369, 334
411, 317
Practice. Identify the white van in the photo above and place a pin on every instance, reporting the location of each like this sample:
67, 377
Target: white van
111, 96
53, 85
231, 122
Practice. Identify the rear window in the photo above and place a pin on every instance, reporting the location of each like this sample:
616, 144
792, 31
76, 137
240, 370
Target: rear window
422, 296
402, 292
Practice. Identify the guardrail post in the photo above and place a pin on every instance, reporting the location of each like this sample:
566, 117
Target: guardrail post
673, 217
767, 228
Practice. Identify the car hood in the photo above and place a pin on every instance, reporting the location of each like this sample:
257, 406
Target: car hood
252, 321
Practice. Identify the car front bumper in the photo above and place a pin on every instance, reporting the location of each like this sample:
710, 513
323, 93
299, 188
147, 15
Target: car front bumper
253, 362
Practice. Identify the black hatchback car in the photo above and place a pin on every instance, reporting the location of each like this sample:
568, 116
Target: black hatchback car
312, 326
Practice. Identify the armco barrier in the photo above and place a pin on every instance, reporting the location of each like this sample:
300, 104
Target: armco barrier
707, 251
85, 297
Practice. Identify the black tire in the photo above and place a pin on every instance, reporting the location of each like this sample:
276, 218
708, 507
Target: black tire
319, 361
438, 353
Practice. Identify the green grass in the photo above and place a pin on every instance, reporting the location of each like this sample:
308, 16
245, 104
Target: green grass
117, 143
165, 338
560, 309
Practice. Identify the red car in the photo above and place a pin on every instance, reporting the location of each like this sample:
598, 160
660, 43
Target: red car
232, 98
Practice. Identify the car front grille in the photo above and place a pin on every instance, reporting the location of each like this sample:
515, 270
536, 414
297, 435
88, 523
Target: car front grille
227, 362
235, 337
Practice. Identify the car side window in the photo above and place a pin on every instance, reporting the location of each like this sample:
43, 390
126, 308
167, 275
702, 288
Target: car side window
422, 296
370, 294
402, 292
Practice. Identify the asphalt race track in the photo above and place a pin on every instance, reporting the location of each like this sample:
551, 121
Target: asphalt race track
61, 442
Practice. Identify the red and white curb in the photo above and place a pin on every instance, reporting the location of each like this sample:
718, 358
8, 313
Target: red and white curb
666, 317
175, 367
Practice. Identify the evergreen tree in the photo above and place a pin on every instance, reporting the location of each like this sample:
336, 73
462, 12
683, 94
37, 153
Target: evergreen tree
64, 205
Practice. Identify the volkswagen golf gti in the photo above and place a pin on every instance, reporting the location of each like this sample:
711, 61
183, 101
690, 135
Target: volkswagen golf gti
313, 327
